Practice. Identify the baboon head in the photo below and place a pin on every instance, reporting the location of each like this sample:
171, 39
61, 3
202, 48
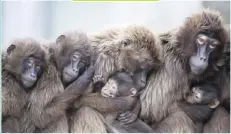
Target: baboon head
129, 49
71, 53
25, 59
202, 38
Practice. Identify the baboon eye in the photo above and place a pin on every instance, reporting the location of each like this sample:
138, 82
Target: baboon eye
37, 67
212, 46
201, 40
30, 63
126, 43
75, 57
198, 96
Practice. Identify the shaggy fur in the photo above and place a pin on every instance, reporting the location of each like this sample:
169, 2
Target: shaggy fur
129, 48
14, 96
219, 123
60, 52
62, 49
170, 83
45, 91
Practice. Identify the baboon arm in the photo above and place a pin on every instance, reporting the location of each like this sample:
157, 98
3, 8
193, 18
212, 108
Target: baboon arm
104, 66
103, 104
130, 116
79, 86
72, 92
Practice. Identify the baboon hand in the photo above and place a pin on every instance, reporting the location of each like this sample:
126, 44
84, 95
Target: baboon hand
83, 81
127, 117
98, 78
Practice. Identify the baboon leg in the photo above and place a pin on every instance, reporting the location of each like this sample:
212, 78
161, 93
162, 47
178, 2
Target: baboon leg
11, 125
60, 126
87, 120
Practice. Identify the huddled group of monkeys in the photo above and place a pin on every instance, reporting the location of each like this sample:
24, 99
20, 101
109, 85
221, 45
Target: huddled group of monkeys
126, 79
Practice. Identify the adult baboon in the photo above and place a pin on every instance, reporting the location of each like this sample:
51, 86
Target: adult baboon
220, 121
124, 49
22, 65
67, 60
189, 55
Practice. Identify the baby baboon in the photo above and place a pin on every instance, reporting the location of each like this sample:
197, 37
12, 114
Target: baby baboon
190, 52
198, 107
22, 66
125, 49
123, 89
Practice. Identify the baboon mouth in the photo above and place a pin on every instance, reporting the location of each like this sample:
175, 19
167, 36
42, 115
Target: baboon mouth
104, 95
68, 75
29, 80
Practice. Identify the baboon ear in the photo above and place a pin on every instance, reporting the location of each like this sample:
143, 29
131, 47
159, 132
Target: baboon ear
214, 104
10, 48
133, 91
60, 39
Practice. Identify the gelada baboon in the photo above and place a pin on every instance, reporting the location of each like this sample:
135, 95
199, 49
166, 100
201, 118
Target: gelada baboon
124, 49
22, 65
120, 122
50, 98
220, 120
190, 52
124, 90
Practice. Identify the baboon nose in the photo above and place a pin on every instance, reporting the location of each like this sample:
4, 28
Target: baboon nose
33, 75
75, 69
203, 58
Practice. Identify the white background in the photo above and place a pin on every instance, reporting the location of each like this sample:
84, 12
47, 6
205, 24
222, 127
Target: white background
45, 20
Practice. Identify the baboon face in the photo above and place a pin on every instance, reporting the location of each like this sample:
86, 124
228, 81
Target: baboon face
26, 61
204, 94
125, 84
121, 84
135, 50
195, 96
72, 55
74, 68
206, 45
32, 69
203, 37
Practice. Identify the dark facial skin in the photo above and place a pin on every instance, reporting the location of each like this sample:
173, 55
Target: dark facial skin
118, 85
124, 84
203, 94
32, 69
205, 46
74, 68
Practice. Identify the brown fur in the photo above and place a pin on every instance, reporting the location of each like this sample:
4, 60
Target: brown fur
111, 55
103, 108
220, 120
45, 91
80, 119
59, 52
219, 123
49, 114
38, 115
170, 83
14, 96
73, 41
